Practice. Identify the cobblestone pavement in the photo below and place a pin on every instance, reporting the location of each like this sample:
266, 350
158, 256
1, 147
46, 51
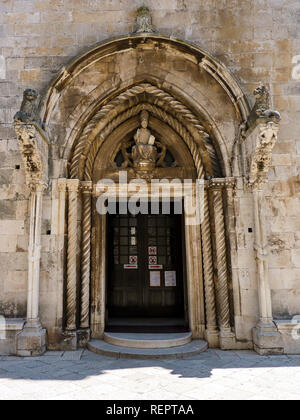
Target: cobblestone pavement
214, 374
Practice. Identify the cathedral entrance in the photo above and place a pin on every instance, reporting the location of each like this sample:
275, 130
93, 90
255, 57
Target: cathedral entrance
145, 267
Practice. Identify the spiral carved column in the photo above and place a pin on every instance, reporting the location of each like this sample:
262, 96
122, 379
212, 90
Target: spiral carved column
85, 253
210, 301
221, 258
73, 187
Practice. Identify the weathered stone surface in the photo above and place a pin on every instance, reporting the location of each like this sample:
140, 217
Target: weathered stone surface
257, 44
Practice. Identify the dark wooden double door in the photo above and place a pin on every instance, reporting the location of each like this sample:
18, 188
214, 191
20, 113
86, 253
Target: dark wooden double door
145, 266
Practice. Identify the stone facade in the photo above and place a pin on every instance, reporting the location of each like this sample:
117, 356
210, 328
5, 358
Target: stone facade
257, 41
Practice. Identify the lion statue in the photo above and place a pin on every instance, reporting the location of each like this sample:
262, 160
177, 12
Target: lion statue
28, 112
261, 108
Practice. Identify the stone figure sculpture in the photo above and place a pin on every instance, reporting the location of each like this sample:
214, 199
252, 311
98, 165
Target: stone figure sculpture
28, 112
262, 105
144, 21
144, 152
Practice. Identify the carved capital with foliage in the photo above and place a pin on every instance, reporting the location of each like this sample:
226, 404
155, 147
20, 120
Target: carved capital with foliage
34, 148
266, 137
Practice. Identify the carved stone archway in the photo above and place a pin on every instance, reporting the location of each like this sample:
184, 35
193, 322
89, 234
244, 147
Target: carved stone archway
209, 282
217, 134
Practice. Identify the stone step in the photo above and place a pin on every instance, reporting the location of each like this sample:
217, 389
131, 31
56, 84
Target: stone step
148, 341
186, 350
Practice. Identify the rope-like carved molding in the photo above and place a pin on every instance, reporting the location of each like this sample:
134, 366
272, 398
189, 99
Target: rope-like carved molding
116, 106
221, 258
163, 115
73, 186
209, 285
86, 187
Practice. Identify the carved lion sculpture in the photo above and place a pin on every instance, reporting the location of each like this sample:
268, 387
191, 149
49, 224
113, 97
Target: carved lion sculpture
28, 112
262, 104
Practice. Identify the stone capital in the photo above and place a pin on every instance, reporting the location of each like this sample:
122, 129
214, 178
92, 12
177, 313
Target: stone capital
217, 184
73, 185
62, 185
86, 187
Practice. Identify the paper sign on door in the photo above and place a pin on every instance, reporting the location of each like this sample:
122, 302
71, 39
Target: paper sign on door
154, 278
170, 278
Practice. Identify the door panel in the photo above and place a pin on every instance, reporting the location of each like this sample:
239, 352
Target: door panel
138, 246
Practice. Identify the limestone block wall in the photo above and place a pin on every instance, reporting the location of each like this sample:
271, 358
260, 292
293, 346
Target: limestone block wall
259, 40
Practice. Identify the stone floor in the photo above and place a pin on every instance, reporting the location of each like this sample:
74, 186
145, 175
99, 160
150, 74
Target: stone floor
210, 375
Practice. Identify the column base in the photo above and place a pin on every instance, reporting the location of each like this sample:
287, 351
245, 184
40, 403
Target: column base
227, 339
69, 342
72, 340
32, 340
213, 338
266, 339
83, 337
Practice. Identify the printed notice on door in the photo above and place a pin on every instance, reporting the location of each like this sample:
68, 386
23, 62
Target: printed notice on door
154, 278
170, 278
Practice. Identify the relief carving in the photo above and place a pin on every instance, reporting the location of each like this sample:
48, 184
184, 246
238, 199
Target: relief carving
29, 151
144, 21
33, 141
262, 108
261, 158
144, 156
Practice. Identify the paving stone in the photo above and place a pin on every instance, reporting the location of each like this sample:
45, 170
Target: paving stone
105, 378
72, 355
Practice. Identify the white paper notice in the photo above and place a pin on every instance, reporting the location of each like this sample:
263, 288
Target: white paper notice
154, 278
170, 278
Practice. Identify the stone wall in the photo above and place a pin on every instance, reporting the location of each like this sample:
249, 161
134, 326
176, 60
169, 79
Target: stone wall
258, 40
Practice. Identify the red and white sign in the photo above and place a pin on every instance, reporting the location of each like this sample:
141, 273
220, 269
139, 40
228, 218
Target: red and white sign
155, 267
133, 259
152, 250
130, 266
153, 259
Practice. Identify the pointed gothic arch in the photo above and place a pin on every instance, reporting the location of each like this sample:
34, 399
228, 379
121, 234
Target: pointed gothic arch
203, 106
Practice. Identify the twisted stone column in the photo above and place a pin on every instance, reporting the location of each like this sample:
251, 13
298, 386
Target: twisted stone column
85, 253
73, 187
221, 258
210, 301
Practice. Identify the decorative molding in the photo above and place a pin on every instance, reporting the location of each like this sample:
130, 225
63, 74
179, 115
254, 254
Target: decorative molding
164, 116
221, 257
86, 187
210, 300
71, 292
220, 183
114, 109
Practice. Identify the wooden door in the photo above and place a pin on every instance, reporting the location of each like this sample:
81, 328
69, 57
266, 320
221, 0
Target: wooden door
145, 266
